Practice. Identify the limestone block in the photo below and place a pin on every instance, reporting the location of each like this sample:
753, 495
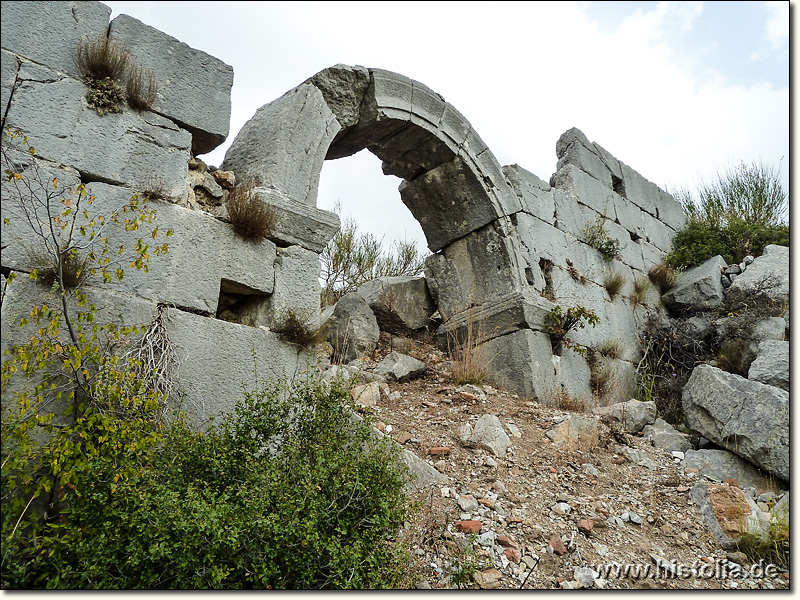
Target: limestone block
698, 289
352, 329
720, 465
540, 239
651, 256
629, 216
522, 362
632, 415
297, 128
729, 514
126, 148
399, 303
399, 367
490, 435
665, 437
298, 223
218, 359
449, 202
643, 193
474, 269
572, 378
769, 272
343, 88
8, 76
296, 291
670, 212
575, 149
194, 88
534, 194
574, 430
656, 233
202, 253
582, 186
49, 32
771, 365
748, 418
495, 318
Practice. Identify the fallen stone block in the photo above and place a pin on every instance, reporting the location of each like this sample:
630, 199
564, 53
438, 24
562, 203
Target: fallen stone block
748, 418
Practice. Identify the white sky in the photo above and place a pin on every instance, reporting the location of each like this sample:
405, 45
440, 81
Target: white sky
676, 90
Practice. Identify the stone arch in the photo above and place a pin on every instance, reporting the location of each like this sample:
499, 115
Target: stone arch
452, 183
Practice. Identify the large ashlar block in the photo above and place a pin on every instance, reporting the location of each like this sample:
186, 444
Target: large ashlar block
590, 191
284, 145
9, 65
522, 362
534, 194
49, 32
194, 88
128, 148
202, 252
220, 359
298, 223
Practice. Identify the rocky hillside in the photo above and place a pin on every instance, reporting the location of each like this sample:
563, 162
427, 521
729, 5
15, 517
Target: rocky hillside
537, 497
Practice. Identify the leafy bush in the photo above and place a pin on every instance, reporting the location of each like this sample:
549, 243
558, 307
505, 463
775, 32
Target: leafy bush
701, 240
105, 95
289, 491
740, 213
560, 323
352, 258
598, 238
750, 193
251, 217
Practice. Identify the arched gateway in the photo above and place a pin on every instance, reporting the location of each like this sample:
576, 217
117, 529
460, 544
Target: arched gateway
496, 233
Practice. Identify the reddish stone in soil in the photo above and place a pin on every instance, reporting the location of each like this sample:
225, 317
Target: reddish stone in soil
688, 470
489, 579
429, 404
552, 469
513, 555
619, 460
439, 450
467, 396
557, 545
469, 526
506, 541
731, 482
516, 520
585, 525
486, 502
682, 488
403, 437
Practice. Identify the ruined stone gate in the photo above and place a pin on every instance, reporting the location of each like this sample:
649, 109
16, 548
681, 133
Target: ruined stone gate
507, 246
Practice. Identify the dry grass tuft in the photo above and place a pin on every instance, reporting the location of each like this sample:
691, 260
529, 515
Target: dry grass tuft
101, 57
614, 282
663, 277
252, 218
641, 285
141, 88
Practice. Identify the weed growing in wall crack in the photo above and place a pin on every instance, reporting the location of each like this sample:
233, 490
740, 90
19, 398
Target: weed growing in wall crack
561, 322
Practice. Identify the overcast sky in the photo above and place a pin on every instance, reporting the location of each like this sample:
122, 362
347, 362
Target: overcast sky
676, 90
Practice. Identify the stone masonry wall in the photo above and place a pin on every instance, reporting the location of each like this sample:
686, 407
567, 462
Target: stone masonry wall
507, 246
118, 155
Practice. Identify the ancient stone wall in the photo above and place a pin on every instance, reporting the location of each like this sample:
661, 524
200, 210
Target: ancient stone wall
119, 155
507, 246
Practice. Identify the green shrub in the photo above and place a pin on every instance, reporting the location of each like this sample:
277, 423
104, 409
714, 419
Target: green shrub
559, 323
289, 491
598, 238
105, 95
701, 240
751, 193
352, 258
